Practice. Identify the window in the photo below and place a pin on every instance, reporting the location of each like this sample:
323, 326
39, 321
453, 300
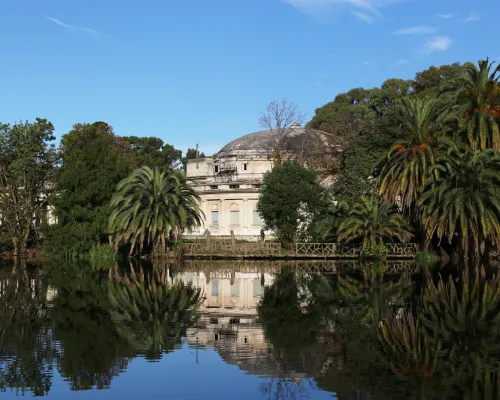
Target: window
244, 166
257, 186
258, 290
215, 218
234, 217
213, 187
257, 220
235, 289
215, 288
216, 168
234, 186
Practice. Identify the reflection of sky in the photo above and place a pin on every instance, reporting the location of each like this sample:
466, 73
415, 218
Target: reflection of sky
176, 376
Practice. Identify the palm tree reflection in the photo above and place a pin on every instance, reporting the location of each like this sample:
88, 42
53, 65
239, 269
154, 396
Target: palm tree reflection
151, 313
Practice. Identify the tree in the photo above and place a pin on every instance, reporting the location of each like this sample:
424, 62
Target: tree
476, 98
280, 118
152, 152
27, 163
371, 221
151, 203
428, 83
330, 218
94, 160
464, 201
290, 197
405, 171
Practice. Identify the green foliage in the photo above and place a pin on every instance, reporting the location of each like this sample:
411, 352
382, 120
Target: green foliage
371, 222
27, 163
102, 256
329, 220
149, 204
405, 171
94, 160
152, 152
290, 199
475, 98
465, 199
375, 250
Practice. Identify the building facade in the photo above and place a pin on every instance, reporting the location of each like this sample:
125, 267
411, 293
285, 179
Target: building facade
229, 183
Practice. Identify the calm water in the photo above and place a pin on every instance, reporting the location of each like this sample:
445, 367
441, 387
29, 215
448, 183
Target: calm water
262, 330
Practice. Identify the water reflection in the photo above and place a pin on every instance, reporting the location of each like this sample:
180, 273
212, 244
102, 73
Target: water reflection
149, 312
302, 329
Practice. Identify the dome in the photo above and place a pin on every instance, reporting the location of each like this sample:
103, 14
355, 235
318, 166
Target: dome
262, 141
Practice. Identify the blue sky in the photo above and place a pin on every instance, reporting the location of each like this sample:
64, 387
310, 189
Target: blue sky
202, 71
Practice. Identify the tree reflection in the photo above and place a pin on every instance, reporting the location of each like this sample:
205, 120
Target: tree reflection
451, 348
91, 352
150, 313
368, 293
27, 351
297, 331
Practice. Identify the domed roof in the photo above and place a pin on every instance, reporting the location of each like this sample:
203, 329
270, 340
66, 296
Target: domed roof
292, 140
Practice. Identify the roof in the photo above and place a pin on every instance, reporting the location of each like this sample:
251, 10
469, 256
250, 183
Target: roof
261, 141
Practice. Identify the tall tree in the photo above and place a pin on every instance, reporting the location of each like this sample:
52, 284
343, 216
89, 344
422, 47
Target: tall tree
280, 117
291, 196
27, 162
151, 203
152, 152
405, 171
476, 98
465, 199
94, 160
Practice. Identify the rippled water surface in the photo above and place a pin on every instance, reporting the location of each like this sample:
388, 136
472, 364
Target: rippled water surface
249, 330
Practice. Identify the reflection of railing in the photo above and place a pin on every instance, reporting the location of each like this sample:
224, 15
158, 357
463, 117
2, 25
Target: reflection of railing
221, 248
338, 250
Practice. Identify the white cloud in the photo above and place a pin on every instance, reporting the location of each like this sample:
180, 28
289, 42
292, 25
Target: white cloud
437, 43
473, 17
73, 27
416, 30
365, 10
363, 16
446, 16
399, 62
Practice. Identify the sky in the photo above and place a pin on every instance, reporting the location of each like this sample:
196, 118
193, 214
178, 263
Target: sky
202, 71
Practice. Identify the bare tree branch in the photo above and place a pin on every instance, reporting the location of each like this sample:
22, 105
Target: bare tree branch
280, 118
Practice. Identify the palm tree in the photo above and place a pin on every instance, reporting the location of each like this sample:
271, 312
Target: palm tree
476, 96
464, 201
405, 170
372, 221
149, 204
326, 227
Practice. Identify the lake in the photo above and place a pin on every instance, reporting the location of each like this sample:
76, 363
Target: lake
249, 330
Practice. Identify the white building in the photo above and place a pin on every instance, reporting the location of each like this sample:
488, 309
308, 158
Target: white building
229, 183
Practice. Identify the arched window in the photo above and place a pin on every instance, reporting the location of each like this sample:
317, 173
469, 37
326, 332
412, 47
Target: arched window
234, 216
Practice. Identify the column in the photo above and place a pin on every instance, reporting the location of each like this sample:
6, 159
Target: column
244, 213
